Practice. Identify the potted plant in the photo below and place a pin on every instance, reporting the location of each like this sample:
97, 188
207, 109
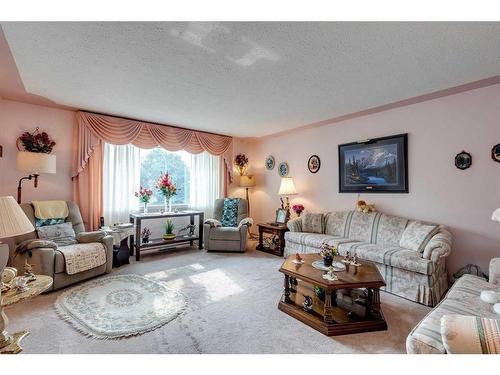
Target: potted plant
144, 196
298, 208
169, 230
327, 252
145, 235
320, 292
241, 163
168, 189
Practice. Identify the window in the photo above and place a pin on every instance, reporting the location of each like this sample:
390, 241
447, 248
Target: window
155, 162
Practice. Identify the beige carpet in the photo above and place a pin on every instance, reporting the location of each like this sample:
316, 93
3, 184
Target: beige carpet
231, 308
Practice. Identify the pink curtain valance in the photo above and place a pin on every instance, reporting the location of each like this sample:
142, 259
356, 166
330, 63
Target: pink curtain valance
94, 128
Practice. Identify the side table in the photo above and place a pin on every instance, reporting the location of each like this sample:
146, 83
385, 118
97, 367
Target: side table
11, 344
278, 231
121, 249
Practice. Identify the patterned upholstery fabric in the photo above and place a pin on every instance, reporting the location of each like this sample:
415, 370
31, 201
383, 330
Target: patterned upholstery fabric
470, 334
230, 212
462, 299
421, 277
62, 234
45, 222
312, 223
83, 256
417, 235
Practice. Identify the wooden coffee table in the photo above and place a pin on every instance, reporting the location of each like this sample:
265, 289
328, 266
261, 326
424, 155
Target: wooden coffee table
350, 305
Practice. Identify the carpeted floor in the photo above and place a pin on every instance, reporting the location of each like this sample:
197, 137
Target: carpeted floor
232, 308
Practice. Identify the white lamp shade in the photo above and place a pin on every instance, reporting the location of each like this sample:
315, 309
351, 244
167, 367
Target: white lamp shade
287, 187
247, 181
13, 220
36, 162
496, 215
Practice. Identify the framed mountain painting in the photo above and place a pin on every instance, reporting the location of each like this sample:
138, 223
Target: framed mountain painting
374, 166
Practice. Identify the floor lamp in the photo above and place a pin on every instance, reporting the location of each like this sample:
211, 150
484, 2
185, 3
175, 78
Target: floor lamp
247, 182
34, 163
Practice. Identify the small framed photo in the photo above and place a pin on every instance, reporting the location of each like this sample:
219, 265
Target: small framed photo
495, 153
314, 163
281, 216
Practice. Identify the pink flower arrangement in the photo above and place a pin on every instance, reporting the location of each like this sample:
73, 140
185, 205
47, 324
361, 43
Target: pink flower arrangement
241, 162
144, 195
298, 208
166, 186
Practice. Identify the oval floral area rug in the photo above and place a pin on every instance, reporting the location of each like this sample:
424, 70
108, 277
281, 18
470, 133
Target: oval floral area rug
119, 306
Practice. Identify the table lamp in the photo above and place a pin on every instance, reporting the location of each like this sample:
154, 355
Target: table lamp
287, 188
496, 215
247, 182
34, 163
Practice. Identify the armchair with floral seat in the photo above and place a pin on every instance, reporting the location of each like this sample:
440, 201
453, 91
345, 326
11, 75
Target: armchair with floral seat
228, 230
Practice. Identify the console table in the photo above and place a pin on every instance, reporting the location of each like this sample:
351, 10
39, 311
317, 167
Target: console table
160, 243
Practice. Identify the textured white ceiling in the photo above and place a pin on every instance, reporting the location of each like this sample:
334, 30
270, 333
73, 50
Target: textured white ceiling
247, 79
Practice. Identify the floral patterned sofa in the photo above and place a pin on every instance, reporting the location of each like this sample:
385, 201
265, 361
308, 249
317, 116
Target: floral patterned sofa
462, 299
410, 254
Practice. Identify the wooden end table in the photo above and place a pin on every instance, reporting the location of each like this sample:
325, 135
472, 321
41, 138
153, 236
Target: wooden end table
11, 344
350, 304
277, 230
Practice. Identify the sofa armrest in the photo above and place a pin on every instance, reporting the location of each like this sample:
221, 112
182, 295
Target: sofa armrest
494, 277
295, 225
439, 246
88, 237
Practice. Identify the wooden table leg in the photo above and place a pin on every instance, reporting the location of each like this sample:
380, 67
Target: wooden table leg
260, 245
191, 222
327, 312
373, 303
293, 283
200, 231
287, 290
138, 240
282, 243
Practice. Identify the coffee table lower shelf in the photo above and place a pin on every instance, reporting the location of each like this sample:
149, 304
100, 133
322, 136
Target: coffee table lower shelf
344, 321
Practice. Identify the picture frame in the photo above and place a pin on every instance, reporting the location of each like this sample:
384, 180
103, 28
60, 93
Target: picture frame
463, 160
378, 165
495, 153
314, 164
270, 162
281, 216
283, 169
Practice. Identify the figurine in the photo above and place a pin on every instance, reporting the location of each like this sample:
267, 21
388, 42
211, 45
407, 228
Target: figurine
347, 258
191, 228
330, 275
308, 304
28, 271
298, 257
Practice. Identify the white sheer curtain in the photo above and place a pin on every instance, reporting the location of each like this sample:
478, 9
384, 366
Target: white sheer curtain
121, 178
205, 182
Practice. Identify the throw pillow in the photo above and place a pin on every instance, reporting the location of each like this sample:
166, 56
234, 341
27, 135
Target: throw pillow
312, 223
230, 212
417, 235
62, 234
470, 334
45, 222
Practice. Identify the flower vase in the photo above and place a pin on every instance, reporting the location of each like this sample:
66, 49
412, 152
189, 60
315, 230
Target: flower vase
145, 207
168, 205
328, 261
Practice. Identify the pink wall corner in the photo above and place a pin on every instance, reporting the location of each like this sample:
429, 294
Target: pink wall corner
16, 118
439, 192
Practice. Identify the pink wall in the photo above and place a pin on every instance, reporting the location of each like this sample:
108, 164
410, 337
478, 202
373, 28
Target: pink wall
439, 192
16, 118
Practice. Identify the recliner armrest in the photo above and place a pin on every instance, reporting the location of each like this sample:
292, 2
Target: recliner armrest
88, 237
494, 277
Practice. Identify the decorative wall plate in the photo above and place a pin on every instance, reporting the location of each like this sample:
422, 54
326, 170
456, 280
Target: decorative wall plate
463, 160
270, 162
495, 153
314, 164
283, 169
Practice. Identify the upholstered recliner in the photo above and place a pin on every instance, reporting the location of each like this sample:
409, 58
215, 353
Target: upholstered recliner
51, 262
231, 239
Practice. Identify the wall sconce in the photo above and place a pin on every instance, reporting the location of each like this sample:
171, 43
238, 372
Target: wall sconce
34, 163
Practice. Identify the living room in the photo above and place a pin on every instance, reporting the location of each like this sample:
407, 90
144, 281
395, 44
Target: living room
214, 187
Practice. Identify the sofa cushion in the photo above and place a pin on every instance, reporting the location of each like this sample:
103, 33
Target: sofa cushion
225, 234
314, 239
335, 223
62, 234
462, 299
388, 229
417, 235
360, 226
312, 222
470, 334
